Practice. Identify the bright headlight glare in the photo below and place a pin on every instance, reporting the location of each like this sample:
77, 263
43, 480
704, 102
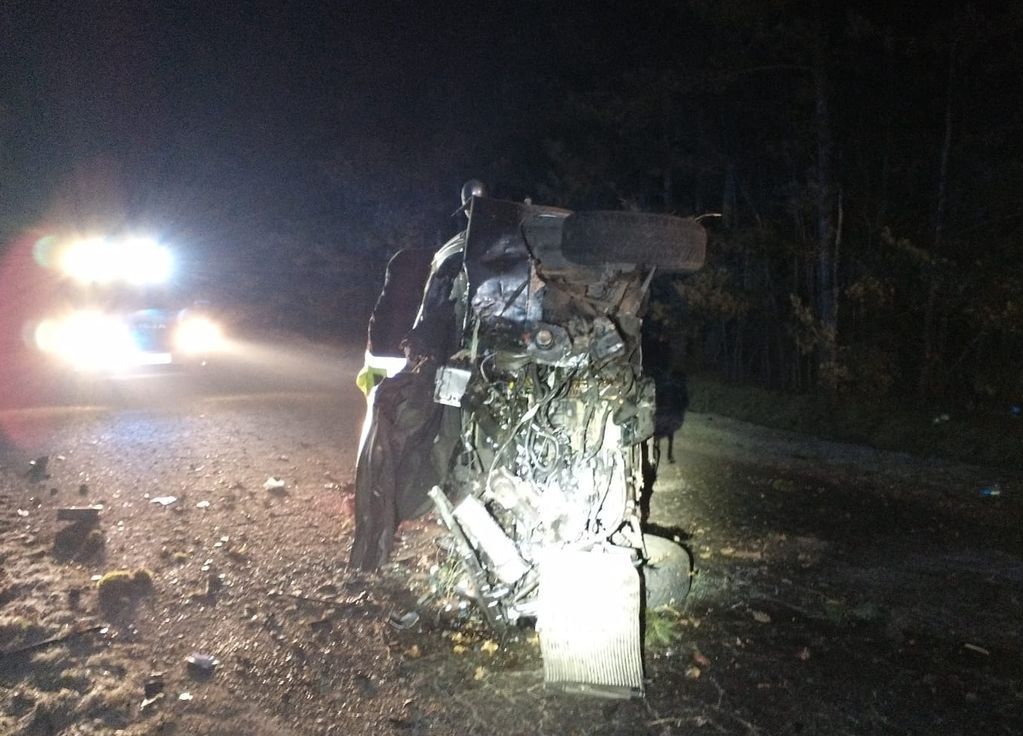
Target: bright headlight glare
87, 340
145, 262
87, 261
137, 261
198, 335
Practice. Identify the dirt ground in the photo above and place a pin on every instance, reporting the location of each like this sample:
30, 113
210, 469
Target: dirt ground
838, 590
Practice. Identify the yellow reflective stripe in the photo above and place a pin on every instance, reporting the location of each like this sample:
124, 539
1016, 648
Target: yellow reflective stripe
375, 369
389, 364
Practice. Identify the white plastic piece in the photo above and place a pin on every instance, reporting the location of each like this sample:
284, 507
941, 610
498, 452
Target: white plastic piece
480, 525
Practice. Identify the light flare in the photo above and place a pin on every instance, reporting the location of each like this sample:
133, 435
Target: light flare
196, 335
88, 340
135, 260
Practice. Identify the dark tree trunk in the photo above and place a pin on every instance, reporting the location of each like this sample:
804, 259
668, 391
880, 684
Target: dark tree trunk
930, 353
728, 197
826, 287
667, 154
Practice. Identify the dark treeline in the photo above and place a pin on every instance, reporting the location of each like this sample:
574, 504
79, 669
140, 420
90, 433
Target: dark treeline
858, 163
863, 166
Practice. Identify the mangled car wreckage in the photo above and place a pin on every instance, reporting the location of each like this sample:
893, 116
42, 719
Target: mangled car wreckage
520, 417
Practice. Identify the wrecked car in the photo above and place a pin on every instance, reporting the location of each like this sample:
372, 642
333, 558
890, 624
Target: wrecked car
520, 416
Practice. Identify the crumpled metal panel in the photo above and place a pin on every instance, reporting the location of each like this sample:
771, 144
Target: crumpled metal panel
498, 263
588, 622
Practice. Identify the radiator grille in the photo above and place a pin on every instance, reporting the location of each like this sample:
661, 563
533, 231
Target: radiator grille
588, 622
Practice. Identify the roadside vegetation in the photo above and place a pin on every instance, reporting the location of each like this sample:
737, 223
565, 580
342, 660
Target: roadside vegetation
982, 437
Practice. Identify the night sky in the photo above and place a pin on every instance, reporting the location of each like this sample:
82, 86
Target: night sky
205, 116
165, 111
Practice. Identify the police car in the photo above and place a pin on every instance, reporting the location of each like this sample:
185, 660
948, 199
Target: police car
118, 308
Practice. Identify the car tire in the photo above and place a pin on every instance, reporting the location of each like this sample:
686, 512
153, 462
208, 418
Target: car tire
667, 572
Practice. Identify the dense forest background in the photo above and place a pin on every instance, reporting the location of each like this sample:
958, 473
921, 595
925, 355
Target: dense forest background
864, 165
860, 164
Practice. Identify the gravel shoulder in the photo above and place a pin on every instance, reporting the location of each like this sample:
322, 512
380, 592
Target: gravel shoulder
838, 589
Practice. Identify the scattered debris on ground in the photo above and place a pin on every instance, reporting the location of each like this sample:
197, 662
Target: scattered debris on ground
230, 609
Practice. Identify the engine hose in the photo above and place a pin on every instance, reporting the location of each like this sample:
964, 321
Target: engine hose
548, 395
587, 418
600, 438
536, 455
512, 434
603, 499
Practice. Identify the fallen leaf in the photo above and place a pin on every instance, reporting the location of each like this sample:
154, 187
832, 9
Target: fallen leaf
700, 659
866, 611
489, 646
693, 672
458, 649
742, 554
748, 554
480, 673
761, 617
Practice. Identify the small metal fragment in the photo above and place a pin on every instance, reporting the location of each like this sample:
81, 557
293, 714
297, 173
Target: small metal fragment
404, 621
201, 665
147, 702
